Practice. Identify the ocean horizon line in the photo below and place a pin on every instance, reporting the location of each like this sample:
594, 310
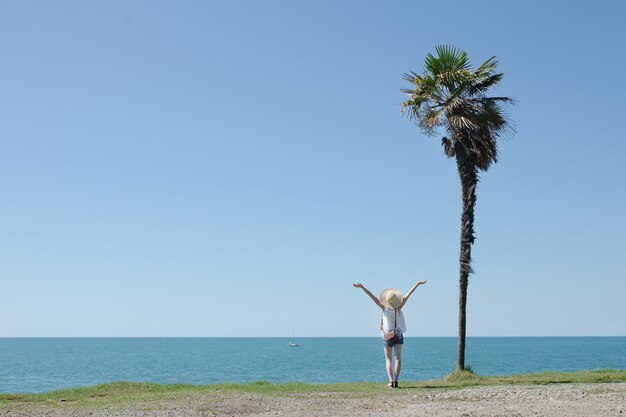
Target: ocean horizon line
302, 337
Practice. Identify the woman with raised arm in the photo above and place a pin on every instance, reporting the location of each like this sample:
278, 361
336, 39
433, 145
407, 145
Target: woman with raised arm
392, 326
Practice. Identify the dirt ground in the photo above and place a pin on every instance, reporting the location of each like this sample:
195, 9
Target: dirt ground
557, 400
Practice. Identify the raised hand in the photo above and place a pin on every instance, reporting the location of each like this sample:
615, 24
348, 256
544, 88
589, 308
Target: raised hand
369, 293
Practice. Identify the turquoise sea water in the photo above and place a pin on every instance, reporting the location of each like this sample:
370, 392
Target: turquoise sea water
45, 364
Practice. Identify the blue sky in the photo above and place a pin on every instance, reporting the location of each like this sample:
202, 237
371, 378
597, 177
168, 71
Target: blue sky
212, 168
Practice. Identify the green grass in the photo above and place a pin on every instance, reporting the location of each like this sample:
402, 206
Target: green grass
467, 378
120, 394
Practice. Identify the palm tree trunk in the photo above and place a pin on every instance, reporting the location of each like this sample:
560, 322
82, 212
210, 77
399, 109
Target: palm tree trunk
469, 180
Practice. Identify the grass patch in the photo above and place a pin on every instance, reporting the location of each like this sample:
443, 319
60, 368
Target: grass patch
147, 395
467, 378
461, 377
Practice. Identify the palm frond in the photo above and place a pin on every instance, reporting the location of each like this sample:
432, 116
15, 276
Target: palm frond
430, 120
452, 58
448, 147
463, 121
487, 67
415, 100
483, 85
484, 148
497, 118
412, 77
504, 100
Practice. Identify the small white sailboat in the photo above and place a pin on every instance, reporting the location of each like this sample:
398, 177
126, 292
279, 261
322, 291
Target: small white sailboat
292, 343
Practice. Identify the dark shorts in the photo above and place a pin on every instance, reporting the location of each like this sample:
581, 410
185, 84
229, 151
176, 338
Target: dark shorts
398, 340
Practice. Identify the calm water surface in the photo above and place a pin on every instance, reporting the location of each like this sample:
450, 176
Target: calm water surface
45, 364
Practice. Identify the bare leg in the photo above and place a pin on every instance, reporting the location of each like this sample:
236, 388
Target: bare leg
398, 350
388, 363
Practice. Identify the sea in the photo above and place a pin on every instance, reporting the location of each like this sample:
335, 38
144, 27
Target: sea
30, 365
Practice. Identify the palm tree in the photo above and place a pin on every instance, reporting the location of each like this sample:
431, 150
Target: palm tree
451, 95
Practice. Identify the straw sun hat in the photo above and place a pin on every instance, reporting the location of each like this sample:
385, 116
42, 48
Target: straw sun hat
391, 298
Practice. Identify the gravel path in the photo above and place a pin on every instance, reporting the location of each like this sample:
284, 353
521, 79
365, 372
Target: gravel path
559, 400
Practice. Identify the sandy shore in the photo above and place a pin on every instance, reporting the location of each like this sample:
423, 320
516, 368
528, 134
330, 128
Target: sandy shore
557, 400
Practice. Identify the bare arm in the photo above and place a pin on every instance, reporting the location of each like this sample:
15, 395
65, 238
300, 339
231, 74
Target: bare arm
372, 296
408, 294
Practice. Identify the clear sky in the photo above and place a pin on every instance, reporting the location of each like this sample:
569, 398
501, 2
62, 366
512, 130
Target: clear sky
230, 168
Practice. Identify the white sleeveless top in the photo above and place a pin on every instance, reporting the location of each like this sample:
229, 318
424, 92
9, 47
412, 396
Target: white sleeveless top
388, 316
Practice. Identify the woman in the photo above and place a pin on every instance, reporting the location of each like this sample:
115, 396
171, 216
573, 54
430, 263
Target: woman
391, 303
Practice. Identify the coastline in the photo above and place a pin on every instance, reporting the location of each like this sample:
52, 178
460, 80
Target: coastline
589, 393
562, 400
